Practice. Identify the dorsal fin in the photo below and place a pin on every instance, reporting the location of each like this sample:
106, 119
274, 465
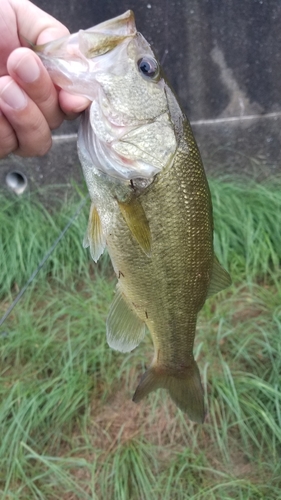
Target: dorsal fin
220, 278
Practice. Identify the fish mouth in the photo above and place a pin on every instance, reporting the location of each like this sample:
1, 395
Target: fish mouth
123, 25
92, 42
73, 60
106, 36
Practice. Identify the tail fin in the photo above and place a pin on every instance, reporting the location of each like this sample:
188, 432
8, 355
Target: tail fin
185, 389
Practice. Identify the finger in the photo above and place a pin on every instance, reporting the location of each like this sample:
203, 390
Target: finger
20, 19
28, 71
33, 22
8, 140
9, 35
72, 105
29, 125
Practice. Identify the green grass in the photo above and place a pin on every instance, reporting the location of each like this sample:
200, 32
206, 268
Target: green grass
68, 427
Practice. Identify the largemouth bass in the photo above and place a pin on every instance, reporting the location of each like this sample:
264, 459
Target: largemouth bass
151, 205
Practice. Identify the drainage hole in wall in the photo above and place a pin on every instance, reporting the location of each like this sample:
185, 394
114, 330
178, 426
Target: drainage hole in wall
16, 181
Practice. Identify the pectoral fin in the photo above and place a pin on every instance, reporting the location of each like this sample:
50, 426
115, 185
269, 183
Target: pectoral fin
220, 278
124, 330
94, 237
137, 222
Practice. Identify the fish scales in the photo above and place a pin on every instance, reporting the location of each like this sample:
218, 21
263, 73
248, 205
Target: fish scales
151, 204
171, 286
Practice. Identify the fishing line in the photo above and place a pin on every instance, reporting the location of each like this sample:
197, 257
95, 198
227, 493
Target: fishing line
43, 261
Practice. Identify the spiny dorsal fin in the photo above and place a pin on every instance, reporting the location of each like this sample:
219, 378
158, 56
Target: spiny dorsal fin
137, 222
124, 330
220, 278
94, 237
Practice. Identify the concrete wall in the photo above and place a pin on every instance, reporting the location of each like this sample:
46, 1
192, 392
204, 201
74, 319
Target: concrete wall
222, 58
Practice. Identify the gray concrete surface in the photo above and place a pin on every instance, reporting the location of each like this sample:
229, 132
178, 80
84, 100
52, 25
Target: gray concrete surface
223, 60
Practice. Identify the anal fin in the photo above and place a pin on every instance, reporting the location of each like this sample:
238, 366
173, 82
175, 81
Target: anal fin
94, 237
124, 330
220, 278
137, 222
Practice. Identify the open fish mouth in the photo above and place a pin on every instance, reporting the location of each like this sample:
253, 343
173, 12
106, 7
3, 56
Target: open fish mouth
76, 56
107, 35
92, 42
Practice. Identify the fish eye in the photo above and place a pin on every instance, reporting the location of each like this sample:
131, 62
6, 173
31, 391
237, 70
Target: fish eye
148, 67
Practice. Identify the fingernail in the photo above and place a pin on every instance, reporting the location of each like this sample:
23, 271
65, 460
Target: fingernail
28, 69
13, 96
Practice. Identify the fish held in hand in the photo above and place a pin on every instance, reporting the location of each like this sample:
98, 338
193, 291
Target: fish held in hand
151, 204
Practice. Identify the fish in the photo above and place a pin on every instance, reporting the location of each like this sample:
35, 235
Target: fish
150, 200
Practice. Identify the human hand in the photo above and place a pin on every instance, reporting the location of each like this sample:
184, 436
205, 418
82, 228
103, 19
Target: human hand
30, 105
